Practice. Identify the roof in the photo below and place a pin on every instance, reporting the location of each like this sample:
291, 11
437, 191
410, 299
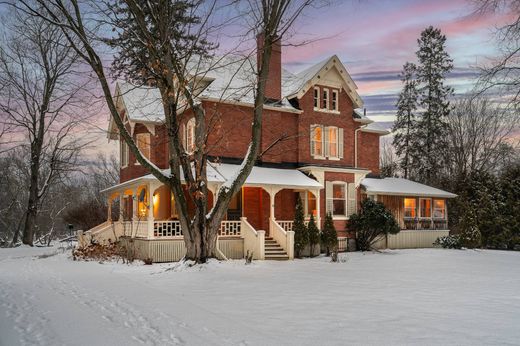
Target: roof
402, 187
230, 79
260, 176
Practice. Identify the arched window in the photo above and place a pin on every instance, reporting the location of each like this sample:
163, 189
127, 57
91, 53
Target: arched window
190, 135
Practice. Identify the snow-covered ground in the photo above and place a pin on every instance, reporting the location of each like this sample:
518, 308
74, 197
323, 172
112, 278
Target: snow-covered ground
398, 297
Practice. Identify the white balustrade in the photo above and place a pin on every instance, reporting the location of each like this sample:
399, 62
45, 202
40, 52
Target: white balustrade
230, 228
167, 229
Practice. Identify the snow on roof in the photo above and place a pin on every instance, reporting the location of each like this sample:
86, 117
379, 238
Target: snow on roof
376, 128
220, 173
142, 103
402, 187
290, 178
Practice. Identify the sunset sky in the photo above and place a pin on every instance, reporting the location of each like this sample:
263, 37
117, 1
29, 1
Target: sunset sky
375, 38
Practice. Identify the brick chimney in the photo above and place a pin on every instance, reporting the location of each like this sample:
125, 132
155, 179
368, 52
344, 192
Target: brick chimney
273, 87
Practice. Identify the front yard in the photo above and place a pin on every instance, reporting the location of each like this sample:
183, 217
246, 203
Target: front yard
429, 296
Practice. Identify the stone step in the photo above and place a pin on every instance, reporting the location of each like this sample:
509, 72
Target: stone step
277, 258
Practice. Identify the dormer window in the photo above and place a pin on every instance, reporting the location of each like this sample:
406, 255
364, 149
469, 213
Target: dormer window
316, 98
335, 100
325, 99
143, 144
190, 136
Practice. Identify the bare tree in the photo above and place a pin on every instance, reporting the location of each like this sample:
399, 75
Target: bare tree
40, 100
388, 160
502, 73
171, 46
478, 134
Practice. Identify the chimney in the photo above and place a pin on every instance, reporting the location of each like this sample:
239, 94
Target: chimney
273, 86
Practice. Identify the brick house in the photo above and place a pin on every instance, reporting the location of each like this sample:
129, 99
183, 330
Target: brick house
316, 143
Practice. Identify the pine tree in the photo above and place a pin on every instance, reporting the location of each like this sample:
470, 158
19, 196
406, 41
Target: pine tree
329, 236
301, 234
314, 235
434, 64
405, 124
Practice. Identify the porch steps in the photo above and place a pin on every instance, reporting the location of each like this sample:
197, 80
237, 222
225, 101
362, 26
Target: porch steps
273, 251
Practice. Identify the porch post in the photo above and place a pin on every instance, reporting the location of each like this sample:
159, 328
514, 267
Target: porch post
121, 206
150, 219
135, 202
109, 216
318, 212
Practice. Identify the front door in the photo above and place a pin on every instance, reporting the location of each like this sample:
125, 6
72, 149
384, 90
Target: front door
235, 207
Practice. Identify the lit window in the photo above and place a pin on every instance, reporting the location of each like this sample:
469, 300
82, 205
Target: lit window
333, 141
316, 97
325, 99
311, 205
142, 202
338, 200
143, 144
124, 153
334, 100
190, 135
425, 207
439, 208
410, 207
317, 141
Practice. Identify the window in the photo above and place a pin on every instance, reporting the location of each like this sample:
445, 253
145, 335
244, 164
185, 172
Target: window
439, 208
190, 135
124, 153
333, 141
311, 205
425, 207
410, 208
317, 141
334, 100
338, 200
316, 98
143, 144
326, 142
142, 202
325, 99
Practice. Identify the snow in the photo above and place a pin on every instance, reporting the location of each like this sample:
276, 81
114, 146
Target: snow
402, 187
427, 296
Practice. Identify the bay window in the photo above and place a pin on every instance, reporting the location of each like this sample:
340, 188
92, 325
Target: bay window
410, 208
425, 205
439, 208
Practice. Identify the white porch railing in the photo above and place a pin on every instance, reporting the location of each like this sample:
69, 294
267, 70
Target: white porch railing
167, 229
287, 225
230, 228
284, 238
138, 229
254, 241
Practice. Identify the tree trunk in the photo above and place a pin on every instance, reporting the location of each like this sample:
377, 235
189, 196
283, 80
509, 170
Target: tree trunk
32, 204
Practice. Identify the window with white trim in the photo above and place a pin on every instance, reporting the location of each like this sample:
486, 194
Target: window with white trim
325, 99
316, 97
317, 140
190, 135
326, 142
341, 199
335, 100
439, 209
123, 148
143, 144
410, 208
310, 204
425, 207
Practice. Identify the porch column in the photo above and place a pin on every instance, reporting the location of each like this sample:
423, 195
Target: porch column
135, 202
318, 212
121, 206
272, 191
109, 216
150, 218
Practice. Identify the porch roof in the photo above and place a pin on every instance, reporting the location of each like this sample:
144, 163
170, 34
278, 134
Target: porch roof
220, 173
402, 187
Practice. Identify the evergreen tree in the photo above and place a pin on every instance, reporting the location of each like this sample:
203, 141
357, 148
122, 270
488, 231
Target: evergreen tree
301, 234
405, 124
314, 235
434, 64
329, 236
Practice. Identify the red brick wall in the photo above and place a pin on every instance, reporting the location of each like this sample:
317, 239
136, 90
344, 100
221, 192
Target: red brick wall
368, 156
273, 87
256, 207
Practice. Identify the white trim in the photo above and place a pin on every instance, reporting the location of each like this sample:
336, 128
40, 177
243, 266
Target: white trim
335, 170
251, 105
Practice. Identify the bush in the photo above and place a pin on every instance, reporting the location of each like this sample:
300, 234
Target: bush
314, 235
329, 236
301, 234
372, 222
449, 242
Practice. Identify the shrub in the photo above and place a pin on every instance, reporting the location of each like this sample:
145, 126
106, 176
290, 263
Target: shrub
314, 235
372, 221
329, 236
449, 242
301, 235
